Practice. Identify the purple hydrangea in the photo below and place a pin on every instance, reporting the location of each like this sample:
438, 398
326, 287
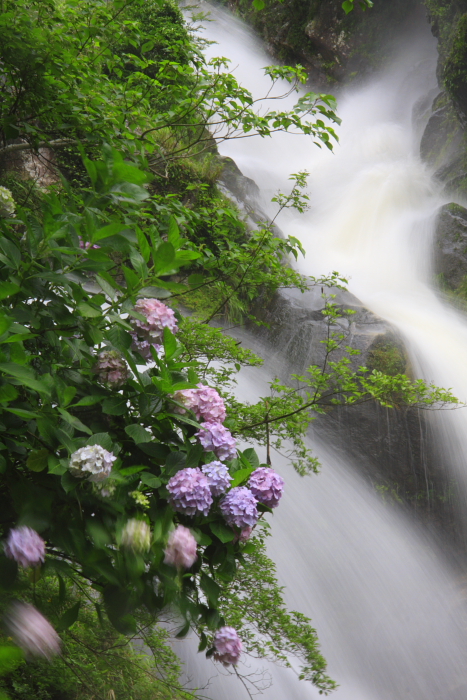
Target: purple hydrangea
215, 437
91, 461
189, 492
31, 631
205, 403
239, 508
227, 646
111, 369
245, 534
151, 332
181, 548
266, 486
218, 477
25, 546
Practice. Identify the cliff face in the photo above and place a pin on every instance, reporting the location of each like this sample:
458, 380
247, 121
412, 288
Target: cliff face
332, 46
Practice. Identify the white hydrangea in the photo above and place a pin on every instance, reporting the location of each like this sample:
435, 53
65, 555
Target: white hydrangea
136, 535
7, 203
92, 462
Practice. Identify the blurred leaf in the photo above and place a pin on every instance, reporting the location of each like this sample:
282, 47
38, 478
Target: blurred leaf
10, 658
73, 421
102, 439
138, 433
150, 480
115, 406
164, 257
7, 289
38, 460
211, 588
68, 618
224, 533
26, 377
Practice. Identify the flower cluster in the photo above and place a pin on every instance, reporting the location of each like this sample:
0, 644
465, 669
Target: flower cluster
218, 477
205, 403
25, 546
136, 535
227, 646
189, 492
266, 486
93, 462
87, 245
111, 369
181, 548
7, 203
238, 507
150, 333
216, 438
104, 489
31, 631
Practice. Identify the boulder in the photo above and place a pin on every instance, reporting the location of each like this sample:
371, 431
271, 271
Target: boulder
450, 249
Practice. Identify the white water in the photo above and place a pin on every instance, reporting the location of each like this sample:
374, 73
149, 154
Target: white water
385, 607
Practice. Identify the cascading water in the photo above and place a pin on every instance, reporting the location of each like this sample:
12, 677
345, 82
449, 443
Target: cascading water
386, 608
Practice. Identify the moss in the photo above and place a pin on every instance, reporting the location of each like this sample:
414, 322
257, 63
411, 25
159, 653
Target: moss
455, 68
386, 356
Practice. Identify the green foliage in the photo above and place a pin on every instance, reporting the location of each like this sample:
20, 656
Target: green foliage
386, 357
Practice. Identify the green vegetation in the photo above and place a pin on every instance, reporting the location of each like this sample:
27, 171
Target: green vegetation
387, 357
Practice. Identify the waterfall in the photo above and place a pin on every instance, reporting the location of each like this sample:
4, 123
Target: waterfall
387, 608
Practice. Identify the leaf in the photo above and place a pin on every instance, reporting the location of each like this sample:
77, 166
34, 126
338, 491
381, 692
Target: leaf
74, 422
25, 375
7, 289
68, 618
119, 338
68, 482
106, 287
241, 475
251, 456
22, 413
347, 6
115, 406
222, 532
106, 231
173, 235
211, 588
10, 658
170, 343
38, 460
138, 433
88, 311
164, 257
128, 471
154, 293
102, 439
150, 480
194, 456
174, 462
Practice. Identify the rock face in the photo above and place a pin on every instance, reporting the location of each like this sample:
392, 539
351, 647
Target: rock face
450, 249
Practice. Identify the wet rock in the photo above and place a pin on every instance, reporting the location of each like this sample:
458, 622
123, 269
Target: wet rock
450, 248
439, 146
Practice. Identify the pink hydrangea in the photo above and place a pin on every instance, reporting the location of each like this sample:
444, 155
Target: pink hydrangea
227, 646
205, 403
144, 347
111, 369
31, 631
215, 437
266, 486
181, 548
218, 477
238, 507
25, 546
189, 492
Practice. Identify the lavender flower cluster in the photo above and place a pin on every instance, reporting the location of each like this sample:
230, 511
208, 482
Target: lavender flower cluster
91, 461
227, 646
218, 477
150, 333
25, 546
111, 369
266, 486
239, 508
181, 548
31, 631
189, 492
216, 438
205, 403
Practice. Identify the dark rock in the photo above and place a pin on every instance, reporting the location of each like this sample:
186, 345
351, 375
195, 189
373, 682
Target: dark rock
450, 248
441, 138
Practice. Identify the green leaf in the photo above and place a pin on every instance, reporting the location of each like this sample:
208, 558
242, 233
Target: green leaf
241, 475
119, 337
150, 480
211, 588
106, 287
259, 4
68, 618
138, 433
73, 421
106, 231
88, 311
154, 293
38, 460
22, 413
26, 377
251, 457
222, 532
173, 235
164, 257
128, 471
170, 343
174, 462
347, 6
7, 289
194, 456
115, 406
10, 658
102, 439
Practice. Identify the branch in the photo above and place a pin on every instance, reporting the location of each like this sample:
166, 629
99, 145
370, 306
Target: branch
44, 144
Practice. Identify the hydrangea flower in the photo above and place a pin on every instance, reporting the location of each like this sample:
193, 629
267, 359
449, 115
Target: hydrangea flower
136, 535
215, 437
151, 332
111, 369
238, 507
92, 462
7, 203
189, 492
218, 477
31, 631
25, 546
266, 486
245, 534
104, 489
227, 645
181, 548
203, 401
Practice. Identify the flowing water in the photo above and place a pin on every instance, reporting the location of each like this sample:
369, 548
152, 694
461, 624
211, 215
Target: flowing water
388, 611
